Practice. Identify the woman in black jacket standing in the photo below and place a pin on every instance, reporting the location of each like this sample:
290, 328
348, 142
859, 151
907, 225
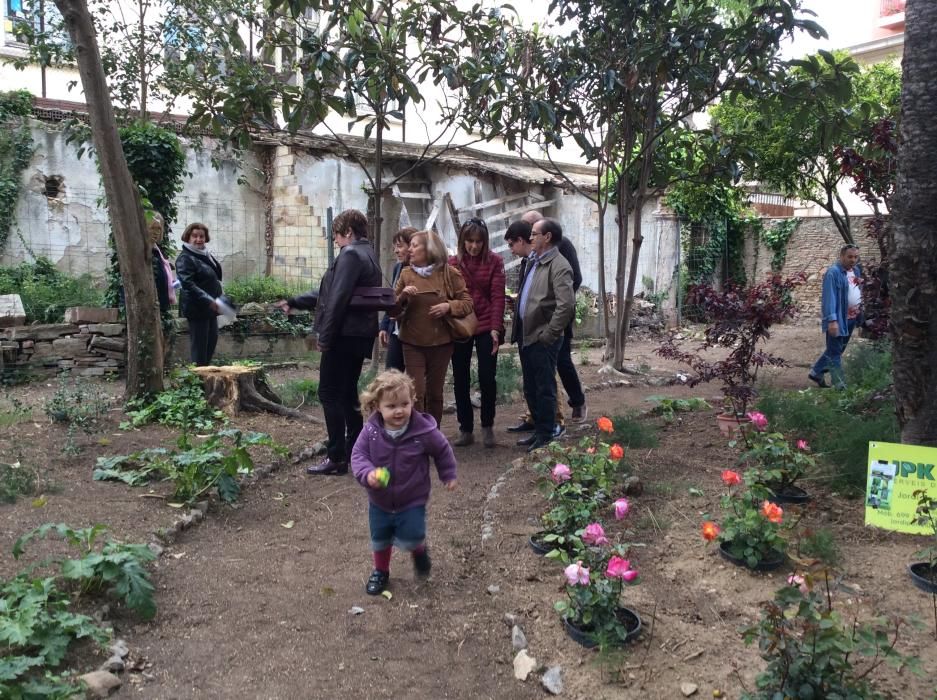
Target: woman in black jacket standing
200, 276
345, 338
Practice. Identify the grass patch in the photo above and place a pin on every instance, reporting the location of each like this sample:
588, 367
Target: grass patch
840, 424
298, 392
633, 433
263, 290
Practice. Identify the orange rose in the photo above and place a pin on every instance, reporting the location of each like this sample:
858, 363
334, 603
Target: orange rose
605, 425
616, 452
731, 478
772, 511
710, 531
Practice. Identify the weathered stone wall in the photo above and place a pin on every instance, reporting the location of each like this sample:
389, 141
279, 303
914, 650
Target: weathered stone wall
812, 248
90, 343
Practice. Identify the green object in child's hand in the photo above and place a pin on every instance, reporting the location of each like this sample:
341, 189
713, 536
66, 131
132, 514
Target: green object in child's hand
383, 476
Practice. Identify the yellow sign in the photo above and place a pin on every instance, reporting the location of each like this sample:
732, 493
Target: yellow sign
895, 473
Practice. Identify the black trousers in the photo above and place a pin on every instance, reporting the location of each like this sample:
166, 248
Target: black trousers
487, 384
394, 359
339, 370
538, 365
567, 371
203, 337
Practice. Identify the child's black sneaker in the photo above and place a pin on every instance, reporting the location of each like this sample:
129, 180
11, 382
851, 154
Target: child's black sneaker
422, 563
377, 582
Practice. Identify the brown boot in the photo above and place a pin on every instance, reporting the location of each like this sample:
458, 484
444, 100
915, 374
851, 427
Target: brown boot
464, 440
488, 437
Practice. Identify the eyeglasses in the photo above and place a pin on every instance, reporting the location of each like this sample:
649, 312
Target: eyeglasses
475, 221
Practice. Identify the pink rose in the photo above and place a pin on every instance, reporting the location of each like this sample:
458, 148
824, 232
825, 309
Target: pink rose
803, 445
621, 508
617, 567
629, 576
758, 419
594, 535
576, 574
561, 473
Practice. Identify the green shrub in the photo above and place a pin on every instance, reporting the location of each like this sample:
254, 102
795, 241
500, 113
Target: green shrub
840, 424
46, 292
16, 480
263, 290
633, 433
181, 406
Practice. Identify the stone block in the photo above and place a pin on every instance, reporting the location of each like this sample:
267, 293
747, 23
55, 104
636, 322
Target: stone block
12, 312
100, 342
49, 331
90, 314
108, 329
69, 347
93, 372
42, 349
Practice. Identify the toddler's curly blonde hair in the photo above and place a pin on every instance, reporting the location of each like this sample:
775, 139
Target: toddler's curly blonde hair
388, 382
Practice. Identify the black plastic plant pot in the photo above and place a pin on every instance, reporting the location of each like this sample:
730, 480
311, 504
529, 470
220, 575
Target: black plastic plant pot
540, 548
626, 616
924, 576
790, 495
775, 562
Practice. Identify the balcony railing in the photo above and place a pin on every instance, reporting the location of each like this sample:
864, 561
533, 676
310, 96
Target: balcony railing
891, 7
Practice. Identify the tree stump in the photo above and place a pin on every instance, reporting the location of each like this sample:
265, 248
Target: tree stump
234, 388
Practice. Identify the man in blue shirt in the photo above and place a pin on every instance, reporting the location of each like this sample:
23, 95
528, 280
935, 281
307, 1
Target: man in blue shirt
841, 313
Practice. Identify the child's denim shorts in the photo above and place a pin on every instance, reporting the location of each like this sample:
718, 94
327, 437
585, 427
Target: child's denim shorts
406, 529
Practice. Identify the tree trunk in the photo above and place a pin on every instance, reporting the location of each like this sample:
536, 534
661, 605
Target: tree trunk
618, 350
913, 271
378, 187
144, 335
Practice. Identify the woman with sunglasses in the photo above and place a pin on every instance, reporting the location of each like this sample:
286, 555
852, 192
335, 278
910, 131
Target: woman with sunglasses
483, 272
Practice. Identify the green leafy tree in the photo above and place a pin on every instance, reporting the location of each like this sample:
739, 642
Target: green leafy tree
789, 140
327, 63
618, 82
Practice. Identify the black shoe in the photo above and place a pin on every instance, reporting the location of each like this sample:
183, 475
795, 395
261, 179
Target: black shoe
328, 468
377, 582
522, 427
538, 443
529, 440
558, 431
819, 381
422, 563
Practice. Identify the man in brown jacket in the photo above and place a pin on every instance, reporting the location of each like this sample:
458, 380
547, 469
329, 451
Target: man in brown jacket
546, 305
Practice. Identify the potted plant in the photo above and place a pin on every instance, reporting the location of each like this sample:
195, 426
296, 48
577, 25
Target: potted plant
740, 322
775, 464
751, 531
924, 573
592, 612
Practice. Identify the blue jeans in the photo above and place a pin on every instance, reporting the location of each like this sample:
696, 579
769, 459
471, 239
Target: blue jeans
832, 359
538, 366
406, 529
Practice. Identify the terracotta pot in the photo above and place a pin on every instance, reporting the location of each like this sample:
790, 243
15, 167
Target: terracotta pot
924, 576
626, 616
731, 425
776, 562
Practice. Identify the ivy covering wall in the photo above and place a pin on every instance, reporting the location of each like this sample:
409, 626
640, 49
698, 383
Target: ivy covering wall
16, 150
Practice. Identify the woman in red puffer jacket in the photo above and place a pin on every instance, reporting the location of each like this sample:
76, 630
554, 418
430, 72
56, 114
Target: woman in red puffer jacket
483, 272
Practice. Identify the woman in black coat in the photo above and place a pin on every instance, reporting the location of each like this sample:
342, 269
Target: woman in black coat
200, 276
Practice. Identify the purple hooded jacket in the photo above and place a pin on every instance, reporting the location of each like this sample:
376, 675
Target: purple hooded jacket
407, 458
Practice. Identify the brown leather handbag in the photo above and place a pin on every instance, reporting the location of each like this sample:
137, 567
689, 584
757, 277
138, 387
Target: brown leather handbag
464, 328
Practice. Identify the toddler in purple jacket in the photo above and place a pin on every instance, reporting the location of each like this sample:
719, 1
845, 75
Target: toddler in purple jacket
391, 460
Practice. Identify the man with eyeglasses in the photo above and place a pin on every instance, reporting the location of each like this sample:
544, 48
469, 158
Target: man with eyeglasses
546, 304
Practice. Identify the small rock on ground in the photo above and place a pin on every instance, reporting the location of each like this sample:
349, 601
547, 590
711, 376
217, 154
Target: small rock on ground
355, 610
492, 589
524, 665
688, 689
552, 680
115, 664
119, 648
509, 619
633, 486
100, 683
518, 638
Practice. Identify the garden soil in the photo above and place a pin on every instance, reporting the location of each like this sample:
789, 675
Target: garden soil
255, 601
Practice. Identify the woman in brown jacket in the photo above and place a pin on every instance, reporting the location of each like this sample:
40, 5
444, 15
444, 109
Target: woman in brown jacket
427, 341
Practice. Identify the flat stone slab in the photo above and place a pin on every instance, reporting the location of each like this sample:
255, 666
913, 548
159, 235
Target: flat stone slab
49, 331
12, 312
90, 314
108, 329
